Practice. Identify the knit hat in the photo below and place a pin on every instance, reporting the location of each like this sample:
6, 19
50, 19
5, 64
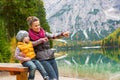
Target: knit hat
21, 34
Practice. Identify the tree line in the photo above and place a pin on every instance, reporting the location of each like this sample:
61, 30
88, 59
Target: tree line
112, 40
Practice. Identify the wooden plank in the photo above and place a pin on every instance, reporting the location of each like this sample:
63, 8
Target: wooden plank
12, 67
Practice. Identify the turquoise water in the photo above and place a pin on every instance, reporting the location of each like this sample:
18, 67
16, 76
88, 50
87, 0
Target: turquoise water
92, 63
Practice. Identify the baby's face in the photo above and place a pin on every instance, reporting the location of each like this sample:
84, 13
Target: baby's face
26, 39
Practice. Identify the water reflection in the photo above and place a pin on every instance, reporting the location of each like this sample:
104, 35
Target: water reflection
98, 64
113, 54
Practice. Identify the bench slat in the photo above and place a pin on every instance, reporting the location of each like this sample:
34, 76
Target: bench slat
12, 67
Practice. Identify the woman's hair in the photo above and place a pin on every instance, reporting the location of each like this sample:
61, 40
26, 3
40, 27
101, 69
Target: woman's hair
31, 19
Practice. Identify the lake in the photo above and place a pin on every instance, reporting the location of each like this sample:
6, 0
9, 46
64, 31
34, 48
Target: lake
92, 63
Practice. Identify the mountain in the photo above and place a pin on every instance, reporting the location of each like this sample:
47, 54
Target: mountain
85, 19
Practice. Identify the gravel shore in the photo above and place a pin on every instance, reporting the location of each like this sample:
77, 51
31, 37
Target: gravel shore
7, 76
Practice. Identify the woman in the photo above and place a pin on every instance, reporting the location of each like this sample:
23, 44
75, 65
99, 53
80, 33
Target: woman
43, 52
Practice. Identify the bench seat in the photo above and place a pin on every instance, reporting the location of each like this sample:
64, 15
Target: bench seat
15, 69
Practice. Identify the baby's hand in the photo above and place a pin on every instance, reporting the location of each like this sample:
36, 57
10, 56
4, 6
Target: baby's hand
22, 54
27, 59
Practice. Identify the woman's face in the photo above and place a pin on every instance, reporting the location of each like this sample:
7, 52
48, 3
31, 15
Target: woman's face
35, 26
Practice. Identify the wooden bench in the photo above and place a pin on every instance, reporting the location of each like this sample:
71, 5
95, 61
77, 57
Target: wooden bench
15, 69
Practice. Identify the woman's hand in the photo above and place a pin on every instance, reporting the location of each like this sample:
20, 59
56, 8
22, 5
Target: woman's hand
66, 34
44, 39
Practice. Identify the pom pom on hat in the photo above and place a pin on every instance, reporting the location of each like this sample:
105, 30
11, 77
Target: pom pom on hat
21, 34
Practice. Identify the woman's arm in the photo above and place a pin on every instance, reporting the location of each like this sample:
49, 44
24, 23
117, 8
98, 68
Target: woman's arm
39, 41
50, 36
58, 35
